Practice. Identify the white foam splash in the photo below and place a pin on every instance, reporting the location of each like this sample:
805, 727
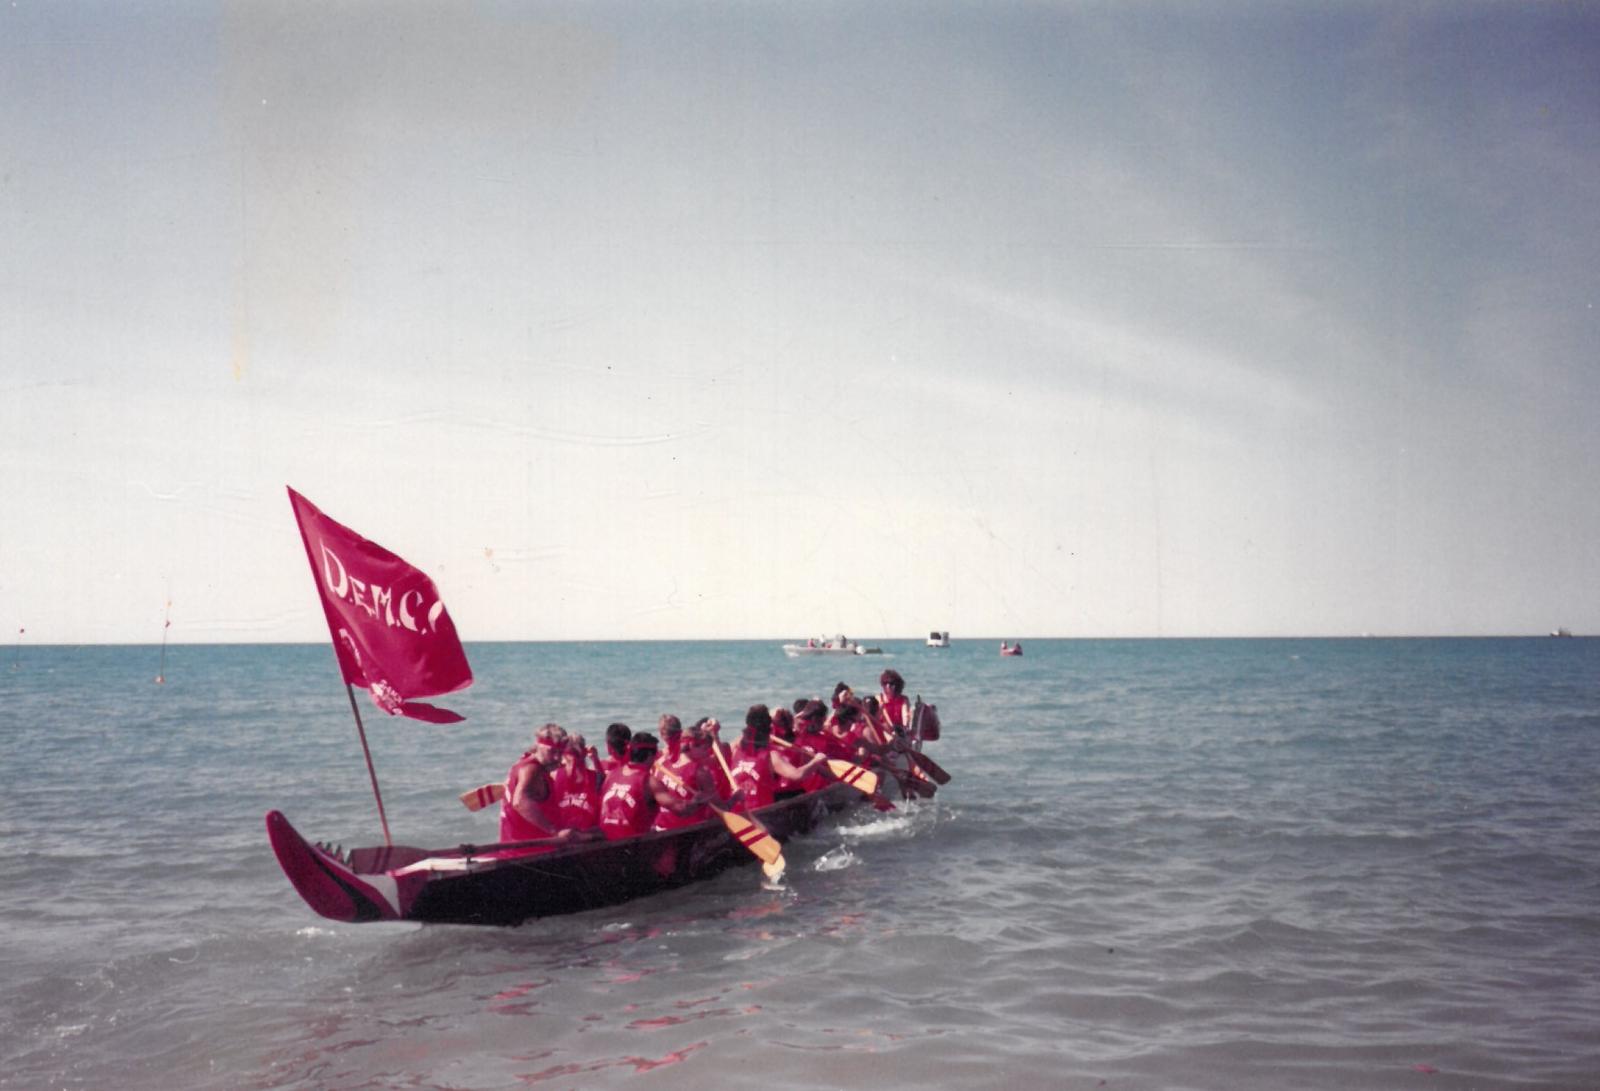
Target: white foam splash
885, 826
837, 860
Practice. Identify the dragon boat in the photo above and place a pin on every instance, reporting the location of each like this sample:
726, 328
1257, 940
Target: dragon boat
509, 883
393, 637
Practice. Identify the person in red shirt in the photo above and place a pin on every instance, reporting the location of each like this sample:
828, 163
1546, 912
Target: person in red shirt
809, 729
783, 742
717, 761
842, 732
530, 811
670, 728
685, 788
627, 805
616, 755
575, 789
758, 768
896, 709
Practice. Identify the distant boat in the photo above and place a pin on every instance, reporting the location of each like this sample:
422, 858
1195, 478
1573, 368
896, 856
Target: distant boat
839, 645
1561, 632
1010, 649
939, 638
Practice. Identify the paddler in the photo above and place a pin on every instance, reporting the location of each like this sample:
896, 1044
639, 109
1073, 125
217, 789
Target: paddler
809, 727
685, 787
896, 709
627, 807
797, 755
670, 728
576, 789
617, 736
530, 810
758, 768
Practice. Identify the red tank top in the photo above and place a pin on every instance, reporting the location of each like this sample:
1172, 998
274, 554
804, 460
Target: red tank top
678, 778
577, 798
752, 771
546, 813
626, 805
897, 710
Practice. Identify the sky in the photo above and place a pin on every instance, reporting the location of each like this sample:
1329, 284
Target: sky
709, 321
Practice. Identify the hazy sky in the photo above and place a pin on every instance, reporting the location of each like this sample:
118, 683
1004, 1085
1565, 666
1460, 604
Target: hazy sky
747, 320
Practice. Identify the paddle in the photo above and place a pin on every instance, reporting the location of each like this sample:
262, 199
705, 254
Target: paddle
861, 779
479, 798
373, 861
928, 766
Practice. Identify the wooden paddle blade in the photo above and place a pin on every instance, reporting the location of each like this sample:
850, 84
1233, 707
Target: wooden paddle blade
862, 780
479, 798
928, 766
753, 836
916, 783
375, 861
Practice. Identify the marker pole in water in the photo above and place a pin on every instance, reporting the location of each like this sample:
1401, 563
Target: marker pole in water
166, 623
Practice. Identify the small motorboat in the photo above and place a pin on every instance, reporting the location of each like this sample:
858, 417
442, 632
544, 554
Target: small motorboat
839, 645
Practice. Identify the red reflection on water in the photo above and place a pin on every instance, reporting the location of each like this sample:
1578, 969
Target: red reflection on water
516, 991
638, 1064
660, 1021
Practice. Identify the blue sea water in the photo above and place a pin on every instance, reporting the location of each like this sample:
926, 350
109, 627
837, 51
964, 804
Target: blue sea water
1160, 865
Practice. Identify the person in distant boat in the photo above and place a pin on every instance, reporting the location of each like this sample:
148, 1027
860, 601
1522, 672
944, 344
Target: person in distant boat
617, 736
896, 709
759, 767
627, 805
530, 810
575, 790
685, 788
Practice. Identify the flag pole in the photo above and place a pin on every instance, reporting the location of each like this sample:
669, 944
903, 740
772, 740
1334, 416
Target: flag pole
356, 711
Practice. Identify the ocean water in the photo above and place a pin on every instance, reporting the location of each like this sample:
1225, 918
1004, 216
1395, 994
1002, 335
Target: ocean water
1160, 865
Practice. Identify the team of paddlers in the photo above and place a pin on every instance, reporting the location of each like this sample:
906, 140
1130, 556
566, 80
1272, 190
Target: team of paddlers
564, 789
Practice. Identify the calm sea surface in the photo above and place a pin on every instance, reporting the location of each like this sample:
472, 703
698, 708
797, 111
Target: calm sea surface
1161, 864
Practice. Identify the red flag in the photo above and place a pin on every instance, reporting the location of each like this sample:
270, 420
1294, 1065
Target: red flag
389, 625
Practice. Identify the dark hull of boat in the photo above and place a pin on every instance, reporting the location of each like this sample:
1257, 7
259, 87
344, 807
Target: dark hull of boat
489, 885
